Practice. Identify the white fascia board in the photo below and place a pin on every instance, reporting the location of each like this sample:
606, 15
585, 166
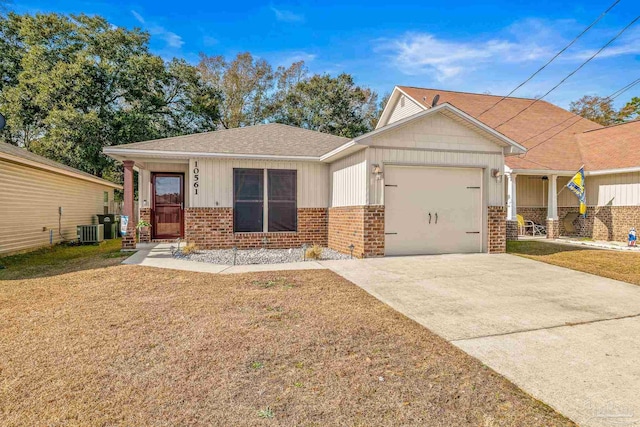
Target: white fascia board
446, 106
341, 151
42, 166
393, 101
123, 152
613, 171
573, 172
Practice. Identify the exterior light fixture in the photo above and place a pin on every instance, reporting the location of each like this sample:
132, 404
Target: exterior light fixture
304, 251
376, 170
495, 173
351, 248
235, 254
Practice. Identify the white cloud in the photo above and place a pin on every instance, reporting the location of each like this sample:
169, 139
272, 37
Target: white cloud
420, 53
527, 42
170, 38
287, 15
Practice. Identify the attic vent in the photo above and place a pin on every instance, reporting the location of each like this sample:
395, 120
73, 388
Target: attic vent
402, 101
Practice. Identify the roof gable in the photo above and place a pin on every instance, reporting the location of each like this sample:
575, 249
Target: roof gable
547, 131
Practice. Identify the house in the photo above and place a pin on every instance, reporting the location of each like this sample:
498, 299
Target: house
429, 179
42, 201
558, 143
428, 183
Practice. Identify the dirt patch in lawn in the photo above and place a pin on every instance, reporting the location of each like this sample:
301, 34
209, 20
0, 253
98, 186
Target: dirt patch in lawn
612, 264
130, 345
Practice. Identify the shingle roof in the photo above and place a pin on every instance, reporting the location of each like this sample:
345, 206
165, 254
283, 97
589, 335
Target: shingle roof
21, 153
269, 139
541, 122
612, 147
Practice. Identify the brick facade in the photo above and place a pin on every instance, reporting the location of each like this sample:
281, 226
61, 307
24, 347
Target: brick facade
129, 241
360, 226
512, 230
497, 229
212, 228
601, 223
145, 215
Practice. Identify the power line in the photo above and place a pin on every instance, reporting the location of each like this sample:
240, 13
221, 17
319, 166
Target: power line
571, 73
554, 58
579, 118
619, 92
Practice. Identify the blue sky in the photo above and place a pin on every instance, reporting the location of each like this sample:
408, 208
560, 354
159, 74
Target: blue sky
467, 46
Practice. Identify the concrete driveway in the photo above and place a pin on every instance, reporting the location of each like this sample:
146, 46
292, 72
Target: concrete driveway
568, 338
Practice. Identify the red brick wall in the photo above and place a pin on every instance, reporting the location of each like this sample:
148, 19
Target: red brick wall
601, 223
497, 229
212, 228
362, 226
145, 215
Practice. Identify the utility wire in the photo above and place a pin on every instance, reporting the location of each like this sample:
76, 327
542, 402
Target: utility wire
579, 118
554, 58
572, 73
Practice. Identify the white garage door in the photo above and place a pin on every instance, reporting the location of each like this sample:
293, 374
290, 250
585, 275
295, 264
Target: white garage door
432, 210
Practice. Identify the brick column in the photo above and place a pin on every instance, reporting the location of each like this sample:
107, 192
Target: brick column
129, 241
145, 215
497, 218
553, 228
512, 230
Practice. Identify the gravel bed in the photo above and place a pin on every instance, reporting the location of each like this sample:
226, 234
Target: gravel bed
256, 256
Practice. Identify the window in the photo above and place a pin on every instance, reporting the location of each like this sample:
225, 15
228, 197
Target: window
248, 200
250, 206
282, 200
105, 203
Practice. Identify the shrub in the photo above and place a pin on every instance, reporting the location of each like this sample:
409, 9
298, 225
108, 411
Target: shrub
314, 252
190, 248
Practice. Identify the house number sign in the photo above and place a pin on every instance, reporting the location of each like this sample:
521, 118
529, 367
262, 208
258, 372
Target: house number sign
196, 178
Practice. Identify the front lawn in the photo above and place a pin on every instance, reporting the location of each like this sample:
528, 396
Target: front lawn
60, 259
131, 345
612, 264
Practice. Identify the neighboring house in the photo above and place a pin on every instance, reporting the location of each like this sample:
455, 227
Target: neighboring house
42, 201
429, 183
558, 143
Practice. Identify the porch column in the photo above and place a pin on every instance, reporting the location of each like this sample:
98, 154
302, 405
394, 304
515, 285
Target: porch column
553, 225
129, 241
512, 210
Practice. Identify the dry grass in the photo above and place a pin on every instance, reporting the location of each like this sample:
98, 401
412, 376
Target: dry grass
189, 248
612, 264
129, 345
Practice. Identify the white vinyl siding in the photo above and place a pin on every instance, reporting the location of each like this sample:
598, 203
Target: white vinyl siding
349, 180
30, 199
216, 181
144, 180
437, 132
404, 107
614, 190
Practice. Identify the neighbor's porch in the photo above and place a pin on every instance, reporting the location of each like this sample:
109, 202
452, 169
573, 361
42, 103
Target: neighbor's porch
543, 203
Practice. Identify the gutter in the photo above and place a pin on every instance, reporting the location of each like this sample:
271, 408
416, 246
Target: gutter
188, 154
573, 172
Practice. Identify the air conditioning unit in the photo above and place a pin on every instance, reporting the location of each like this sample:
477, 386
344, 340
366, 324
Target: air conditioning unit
90, 233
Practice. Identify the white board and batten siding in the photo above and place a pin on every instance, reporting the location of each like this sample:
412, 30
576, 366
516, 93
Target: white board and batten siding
602, 190
350, 180
404, 107
215, 181
29, 202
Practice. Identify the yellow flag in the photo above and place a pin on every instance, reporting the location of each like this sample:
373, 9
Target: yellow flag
576, 185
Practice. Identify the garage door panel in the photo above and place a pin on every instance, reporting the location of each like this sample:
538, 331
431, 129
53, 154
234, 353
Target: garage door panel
432, 210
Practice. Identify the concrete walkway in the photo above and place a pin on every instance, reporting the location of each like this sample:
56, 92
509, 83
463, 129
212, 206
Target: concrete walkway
159, 255
570, 339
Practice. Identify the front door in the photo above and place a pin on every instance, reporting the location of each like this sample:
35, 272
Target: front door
168, 205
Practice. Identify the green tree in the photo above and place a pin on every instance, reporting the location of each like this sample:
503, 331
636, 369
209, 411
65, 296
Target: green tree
596, 109
328, 104
71, 85
245, 85
631, 111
